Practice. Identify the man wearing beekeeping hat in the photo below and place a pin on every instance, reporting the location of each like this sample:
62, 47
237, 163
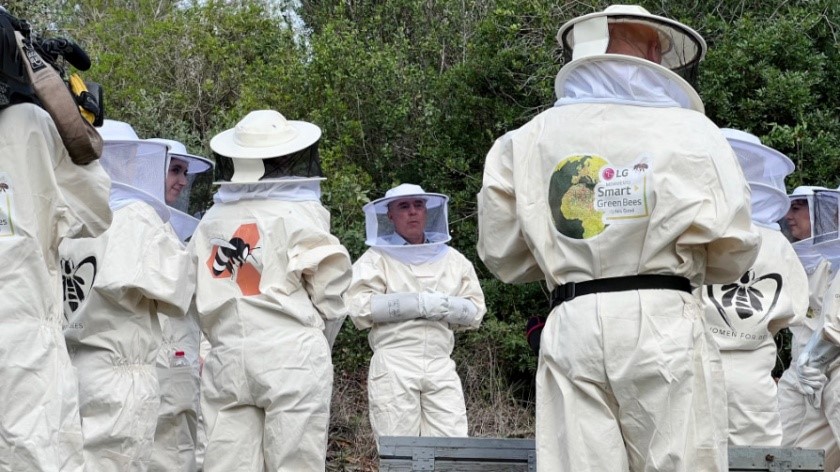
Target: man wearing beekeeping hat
117, 286
269, 295
743, 316
412, 290
808, 390
177, 362
44, 198
623, 197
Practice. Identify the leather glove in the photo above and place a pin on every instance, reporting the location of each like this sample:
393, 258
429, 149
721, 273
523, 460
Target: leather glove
462, 312
433, 305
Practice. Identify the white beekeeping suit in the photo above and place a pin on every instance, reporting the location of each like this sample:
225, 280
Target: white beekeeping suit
176, 434
122, 281
743, 316
44, 198
412, 290
623, 196
808, 390
270, 277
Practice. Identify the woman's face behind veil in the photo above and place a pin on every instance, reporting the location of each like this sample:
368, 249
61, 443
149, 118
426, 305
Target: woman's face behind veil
798, 220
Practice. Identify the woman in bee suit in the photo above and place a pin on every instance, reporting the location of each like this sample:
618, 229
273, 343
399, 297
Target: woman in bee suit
44, 198
808, 390
270, 279
412, 290
745, 315
126, 278
623, 197
176, 434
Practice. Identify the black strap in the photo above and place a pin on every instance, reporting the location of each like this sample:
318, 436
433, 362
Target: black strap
570, 290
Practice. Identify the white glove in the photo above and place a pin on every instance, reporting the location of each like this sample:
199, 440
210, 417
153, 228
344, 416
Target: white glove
811, 365
461, 311
810, 380
434, 306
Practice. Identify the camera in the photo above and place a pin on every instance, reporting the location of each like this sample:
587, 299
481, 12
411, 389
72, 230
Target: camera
15, 86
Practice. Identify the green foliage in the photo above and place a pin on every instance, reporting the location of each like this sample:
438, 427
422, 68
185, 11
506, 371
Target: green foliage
39, 13
506, 341
350, 351
773, 73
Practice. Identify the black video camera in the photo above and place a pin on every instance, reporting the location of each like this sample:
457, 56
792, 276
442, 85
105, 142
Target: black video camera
15, 85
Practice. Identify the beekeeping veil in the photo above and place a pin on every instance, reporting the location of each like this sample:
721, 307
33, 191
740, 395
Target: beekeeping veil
824, 212
266, 147
197, 172
805, 193
382, 234
137, 168
765, 170
585, 40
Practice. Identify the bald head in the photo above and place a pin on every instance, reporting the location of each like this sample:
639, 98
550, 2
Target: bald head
635, 39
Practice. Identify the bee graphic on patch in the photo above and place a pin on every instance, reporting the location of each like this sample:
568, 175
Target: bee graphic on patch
748, 296
232, 255
77, 281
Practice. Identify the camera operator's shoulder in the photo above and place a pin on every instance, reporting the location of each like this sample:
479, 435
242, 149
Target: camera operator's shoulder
27, 124
26, 115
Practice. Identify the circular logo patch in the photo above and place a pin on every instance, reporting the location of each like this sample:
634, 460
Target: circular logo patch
571, 194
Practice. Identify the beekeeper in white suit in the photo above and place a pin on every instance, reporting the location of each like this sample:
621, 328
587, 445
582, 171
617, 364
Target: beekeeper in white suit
743, 316
44, 198
412, 290
125, 279
270, 278
622, 198
808, 398
176, 433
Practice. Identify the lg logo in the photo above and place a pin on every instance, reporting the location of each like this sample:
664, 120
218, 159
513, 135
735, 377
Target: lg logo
610, 173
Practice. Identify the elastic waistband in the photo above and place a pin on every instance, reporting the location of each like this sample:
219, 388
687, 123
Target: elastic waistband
571, 290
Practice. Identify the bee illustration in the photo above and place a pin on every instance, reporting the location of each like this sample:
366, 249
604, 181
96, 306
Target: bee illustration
76, 280
232, 255
640, 167
745, 296
4, 186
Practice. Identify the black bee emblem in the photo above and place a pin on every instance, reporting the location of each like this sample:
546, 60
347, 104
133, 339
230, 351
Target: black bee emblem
3, 187
640, 167
231, 255
77, 281
746, 296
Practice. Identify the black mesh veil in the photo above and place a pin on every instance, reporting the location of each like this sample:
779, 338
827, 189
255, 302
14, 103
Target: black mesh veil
303, 163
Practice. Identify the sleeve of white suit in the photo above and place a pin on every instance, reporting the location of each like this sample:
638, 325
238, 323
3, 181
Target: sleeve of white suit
831, 312
467, 307
501, 244
85, 190
795, 286
319, 259
367, 281
722, 220
145, 256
